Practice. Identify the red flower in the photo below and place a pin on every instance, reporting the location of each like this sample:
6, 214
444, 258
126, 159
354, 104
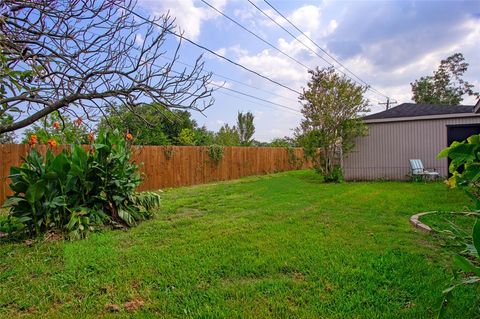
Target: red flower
33, 140
91, 137
52, 143
56, 125
78, 121
129, 136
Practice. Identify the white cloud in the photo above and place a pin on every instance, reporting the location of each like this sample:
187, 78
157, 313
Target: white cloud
306, 18
274, 66
139, 39
243, 13
189, 17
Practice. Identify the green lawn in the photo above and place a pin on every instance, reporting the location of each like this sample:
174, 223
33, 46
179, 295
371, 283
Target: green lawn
278, 246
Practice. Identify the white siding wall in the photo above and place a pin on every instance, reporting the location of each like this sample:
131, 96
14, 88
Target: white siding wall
385, 152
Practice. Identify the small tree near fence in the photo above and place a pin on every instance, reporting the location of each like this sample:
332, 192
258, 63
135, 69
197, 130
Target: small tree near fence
331, 110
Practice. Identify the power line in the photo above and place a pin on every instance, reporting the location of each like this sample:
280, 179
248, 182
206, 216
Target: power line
293, 36
181, 37
254, 97
259, 104
324, 51
241, 93
238, 82
308, 47
256, 35
225, 88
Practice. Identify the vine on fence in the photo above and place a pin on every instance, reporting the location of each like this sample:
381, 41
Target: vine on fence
293, 159
215, 152
168, 151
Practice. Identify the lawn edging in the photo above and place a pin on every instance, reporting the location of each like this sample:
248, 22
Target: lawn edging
416, 223
415, 220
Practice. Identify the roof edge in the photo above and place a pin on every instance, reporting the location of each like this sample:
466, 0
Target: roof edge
476, 108
423, 117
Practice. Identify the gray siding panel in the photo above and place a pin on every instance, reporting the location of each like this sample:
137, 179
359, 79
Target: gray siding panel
385, 152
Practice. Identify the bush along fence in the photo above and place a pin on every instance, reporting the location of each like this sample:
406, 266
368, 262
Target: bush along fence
174, 166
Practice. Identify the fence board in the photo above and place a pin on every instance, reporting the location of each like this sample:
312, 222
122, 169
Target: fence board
174, 166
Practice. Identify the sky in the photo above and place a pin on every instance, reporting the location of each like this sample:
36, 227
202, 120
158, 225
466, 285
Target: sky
387, 44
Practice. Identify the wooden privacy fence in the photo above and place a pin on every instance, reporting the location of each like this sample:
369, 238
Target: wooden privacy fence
174, 166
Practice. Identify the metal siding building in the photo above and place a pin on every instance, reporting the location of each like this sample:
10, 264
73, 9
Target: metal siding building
396, 137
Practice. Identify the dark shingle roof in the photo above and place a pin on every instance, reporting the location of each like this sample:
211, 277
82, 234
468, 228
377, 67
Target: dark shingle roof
412, 109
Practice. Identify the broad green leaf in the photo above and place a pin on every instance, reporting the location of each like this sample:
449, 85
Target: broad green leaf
12, 201
466, 265
35, 192
474, 139
476, 235
443, 153
23, 219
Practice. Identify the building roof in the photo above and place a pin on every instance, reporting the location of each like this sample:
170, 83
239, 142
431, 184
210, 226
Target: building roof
414, 110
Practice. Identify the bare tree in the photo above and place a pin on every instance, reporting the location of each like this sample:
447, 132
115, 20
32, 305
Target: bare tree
82, 56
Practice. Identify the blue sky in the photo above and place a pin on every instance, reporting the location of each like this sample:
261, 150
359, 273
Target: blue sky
386, 43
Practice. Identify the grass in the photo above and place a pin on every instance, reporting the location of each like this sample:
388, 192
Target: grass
278, 246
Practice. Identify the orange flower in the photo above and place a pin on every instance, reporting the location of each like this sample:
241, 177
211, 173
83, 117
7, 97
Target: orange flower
78, 121
33, 140
52, 143
56, 125
91, 137
129, 136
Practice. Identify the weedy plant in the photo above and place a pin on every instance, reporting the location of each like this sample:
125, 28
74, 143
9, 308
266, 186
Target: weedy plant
465, 169
293, 159
215, 152
168, 151
77, 191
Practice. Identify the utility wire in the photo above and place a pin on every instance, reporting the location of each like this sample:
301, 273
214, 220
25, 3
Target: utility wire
256, 35
293, 36
285, 54
259, 104
229, 89
181, 37
254, 97
238, 82
242, 93
324, 51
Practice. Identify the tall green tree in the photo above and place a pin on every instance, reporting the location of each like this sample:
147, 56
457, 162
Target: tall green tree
283, 142
446, 85
158, 126
245, 128
227, 136
332, 105
186, 137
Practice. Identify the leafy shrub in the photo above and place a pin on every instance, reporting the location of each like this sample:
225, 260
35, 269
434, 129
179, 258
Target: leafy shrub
168, 151
324, 159
78, 191
215, 152
465, 169
334, 176
293, 159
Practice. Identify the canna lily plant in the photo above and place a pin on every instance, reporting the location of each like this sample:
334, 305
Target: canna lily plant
78, 191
